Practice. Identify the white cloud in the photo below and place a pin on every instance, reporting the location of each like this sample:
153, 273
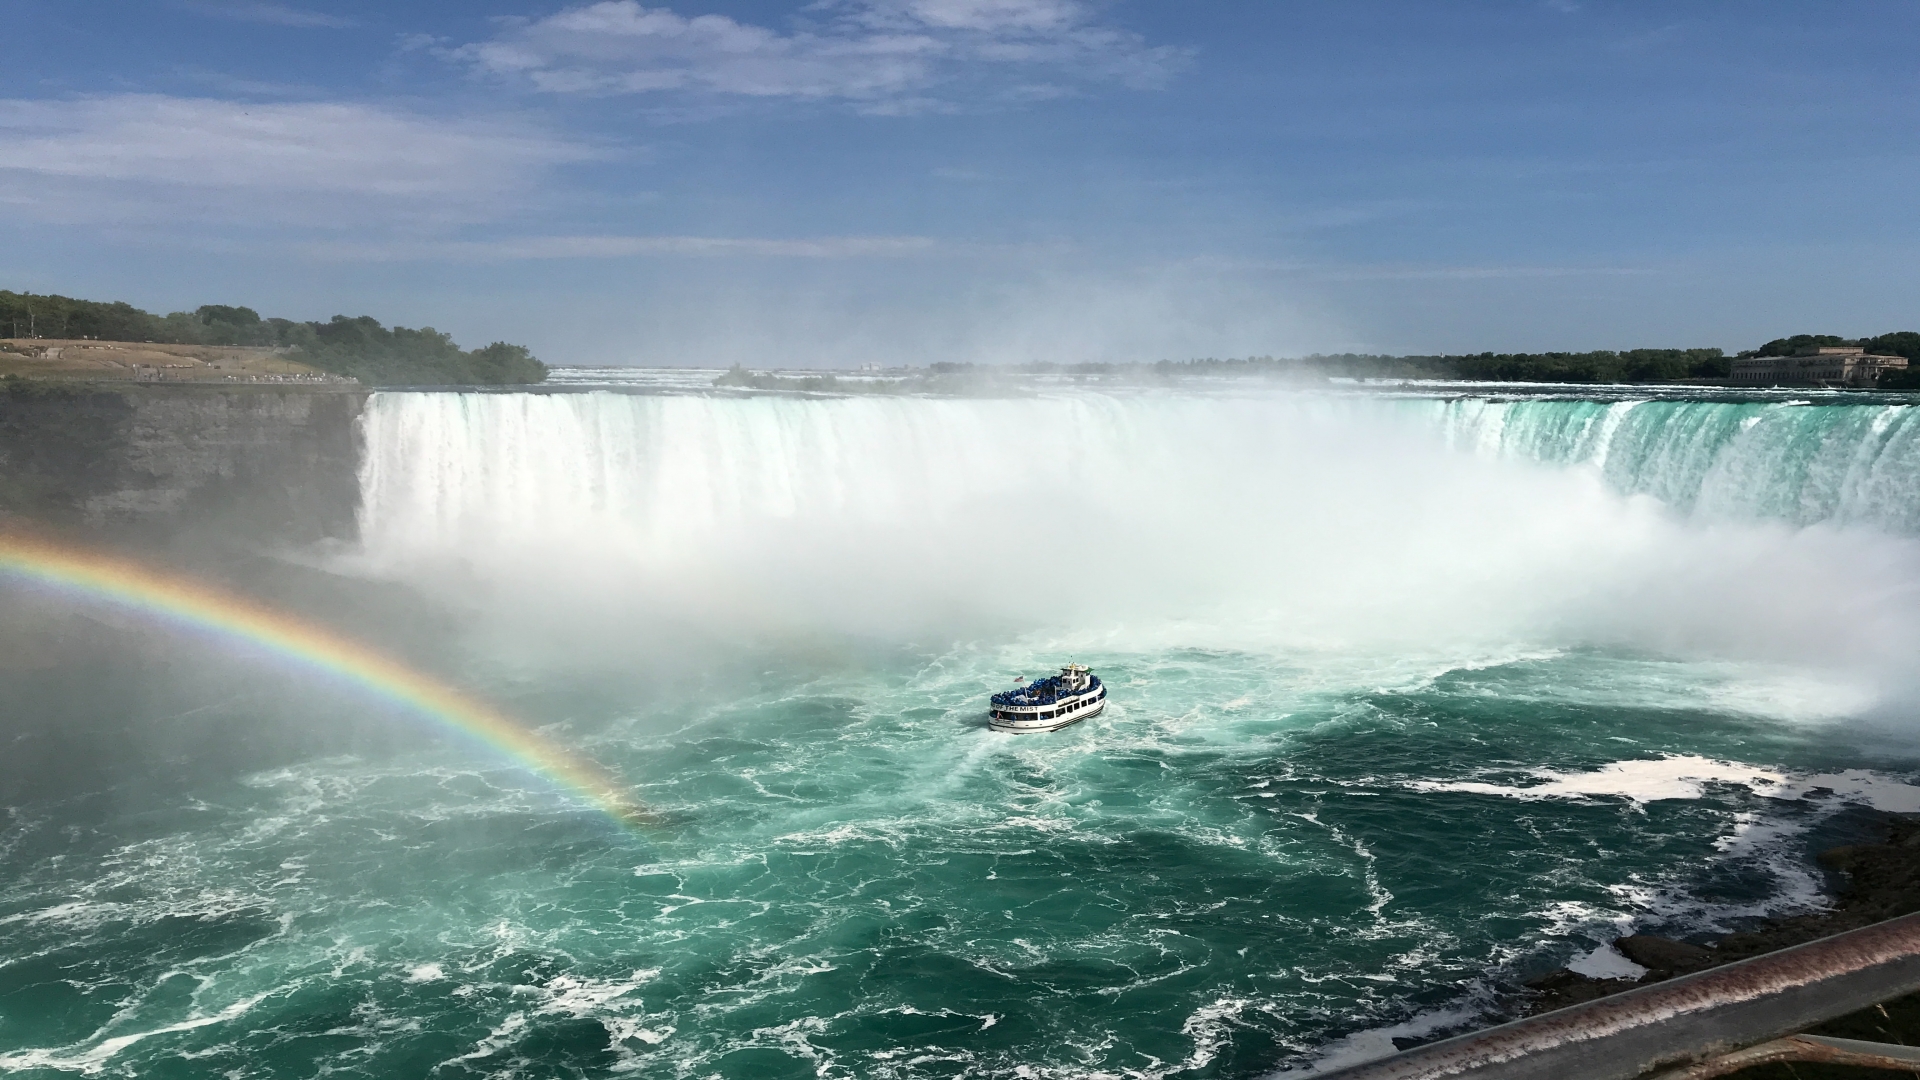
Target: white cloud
260, 11
136, 157
1464, 273
883, 55
612, 247
989, 16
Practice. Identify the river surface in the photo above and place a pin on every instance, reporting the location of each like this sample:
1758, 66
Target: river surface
1415, 695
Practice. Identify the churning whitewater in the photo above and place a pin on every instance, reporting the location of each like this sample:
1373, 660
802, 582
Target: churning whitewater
1411, 698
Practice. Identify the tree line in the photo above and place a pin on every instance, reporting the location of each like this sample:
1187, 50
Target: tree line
1705, 366
358, 347
1596, 366
362, 348
1701, 366
1600, 366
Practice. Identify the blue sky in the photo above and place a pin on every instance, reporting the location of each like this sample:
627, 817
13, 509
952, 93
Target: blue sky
852, 181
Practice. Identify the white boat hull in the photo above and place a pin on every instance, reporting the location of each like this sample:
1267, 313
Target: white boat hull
1015, 723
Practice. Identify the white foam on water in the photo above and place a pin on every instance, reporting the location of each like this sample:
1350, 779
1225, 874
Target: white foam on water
498, 1038
1858, 786
1373, 1044
1642, 780
1605, 962
1211, 1027
635, 1029
92, 1057
1686, 776
574, 996
81, 912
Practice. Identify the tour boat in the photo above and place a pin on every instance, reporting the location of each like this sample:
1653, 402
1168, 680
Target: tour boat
1049, 704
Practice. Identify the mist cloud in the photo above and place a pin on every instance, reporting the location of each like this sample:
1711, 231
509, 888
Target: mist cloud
1315, 522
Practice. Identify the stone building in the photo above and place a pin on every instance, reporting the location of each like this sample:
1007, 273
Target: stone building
1830, 366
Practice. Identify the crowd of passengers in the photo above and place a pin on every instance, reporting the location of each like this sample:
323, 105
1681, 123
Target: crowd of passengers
1029, 695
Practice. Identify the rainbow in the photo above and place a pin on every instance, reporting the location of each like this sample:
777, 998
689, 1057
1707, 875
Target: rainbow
197, 606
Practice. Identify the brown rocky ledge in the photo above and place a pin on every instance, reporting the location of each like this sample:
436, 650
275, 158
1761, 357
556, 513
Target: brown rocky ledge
1882, 881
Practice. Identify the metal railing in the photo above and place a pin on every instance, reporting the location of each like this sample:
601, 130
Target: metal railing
1708, 1024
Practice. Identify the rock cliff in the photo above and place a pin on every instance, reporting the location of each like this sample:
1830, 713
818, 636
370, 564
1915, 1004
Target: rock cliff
250, 466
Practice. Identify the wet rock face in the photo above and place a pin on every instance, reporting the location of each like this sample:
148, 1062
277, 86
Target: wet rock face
1664, 958
1563, 988
252, 466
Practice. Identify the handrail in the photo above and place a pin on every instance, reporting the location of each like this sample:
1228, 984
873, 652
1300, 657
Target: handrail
1806, 1048
1681, 1022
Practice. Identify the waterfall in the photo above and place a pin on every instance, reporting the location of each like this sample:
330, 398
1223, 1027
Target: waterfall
661, 473
1799, 463
1330, 521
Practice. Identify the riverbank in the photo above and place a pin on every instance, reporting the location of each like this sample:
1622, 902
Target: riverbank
81, 360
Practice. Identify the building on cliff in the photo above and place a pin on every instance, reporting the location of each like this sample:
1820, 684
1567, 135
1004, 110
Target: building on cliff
1844, 366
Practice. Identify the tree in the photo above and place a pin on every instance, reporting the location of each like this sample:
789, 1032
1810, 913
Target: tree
357, 346
1800, 345
501, 363
1899, 343
233, 316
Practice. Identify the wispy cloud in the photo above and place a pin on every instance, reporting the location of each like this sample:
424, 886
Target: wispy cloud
1310, 271
137, 157
271, 14
224, 83
880, 55
1468, 273
611, 247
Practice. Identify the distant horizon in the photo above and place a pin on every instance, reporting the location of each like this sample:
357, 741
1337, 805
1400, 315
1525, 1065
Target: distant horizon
829, 364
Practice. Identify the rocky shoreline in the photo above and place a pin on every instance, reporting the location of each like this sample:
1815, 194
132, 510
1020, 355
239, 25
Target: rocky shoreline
1881, 881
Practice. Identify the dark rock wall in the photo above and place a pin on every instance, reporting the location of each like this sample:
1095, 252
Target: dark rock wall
244, 466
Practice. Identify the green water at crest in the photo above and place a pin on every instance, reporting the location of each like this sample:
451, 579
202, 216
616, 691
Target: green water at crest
1779, 458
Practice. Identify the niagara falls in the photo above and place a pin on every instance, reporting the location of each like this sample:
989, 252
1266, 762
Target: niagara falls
1415, 695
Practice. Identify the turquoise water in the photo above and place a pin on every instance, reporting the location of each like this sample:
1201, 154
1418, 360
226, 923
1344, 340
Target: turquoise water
1357, 781
1782, 457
